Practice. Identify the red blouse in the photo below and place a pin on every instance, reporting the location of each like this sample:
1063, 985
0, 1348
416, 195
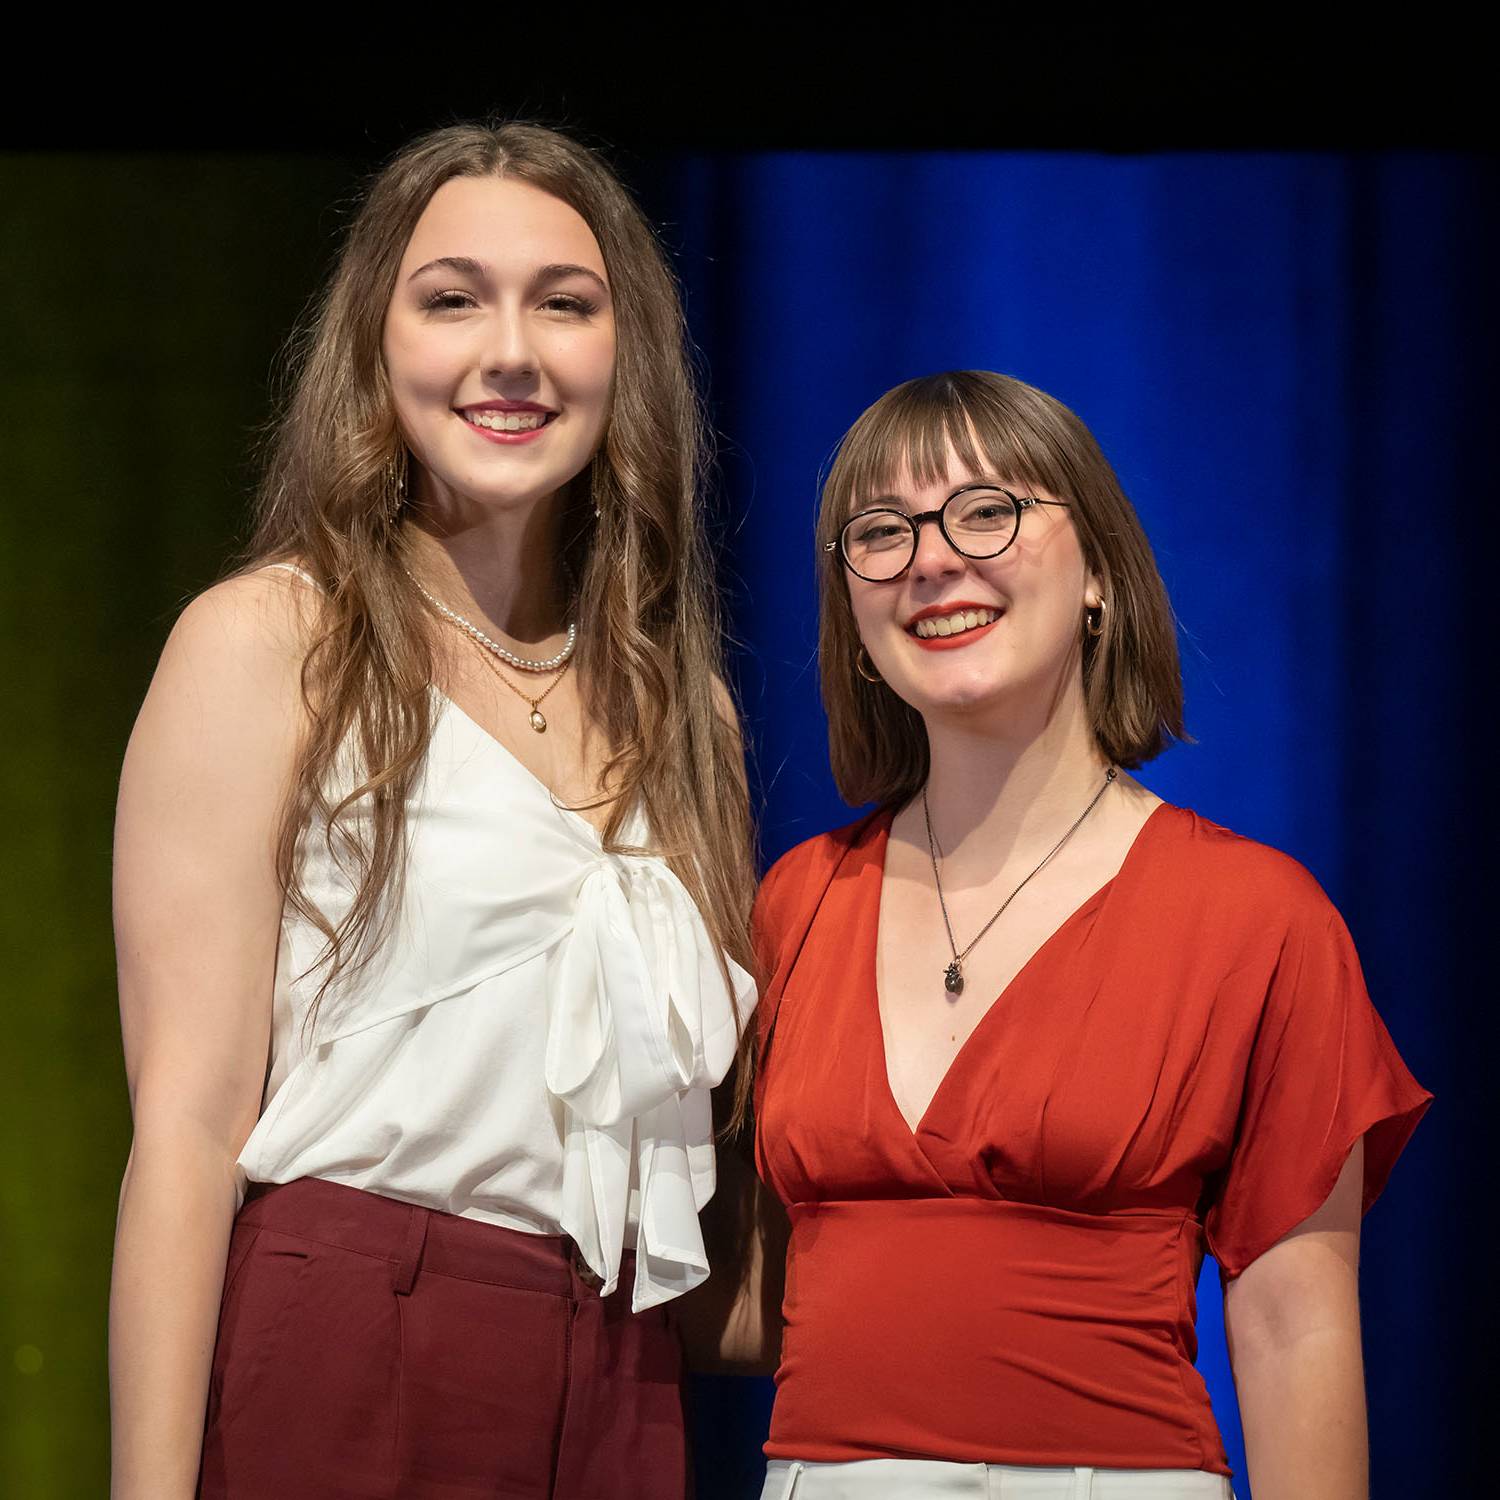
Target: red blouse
1185, 1063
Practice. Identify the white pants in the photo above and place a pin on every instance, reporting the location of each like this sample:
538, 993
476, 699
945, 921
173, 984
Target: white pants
919, 1478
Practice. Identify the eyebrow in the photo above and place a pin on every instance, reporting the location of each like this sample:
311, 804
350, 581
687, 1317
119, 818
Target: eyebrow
558, 272
466, 265
463, 264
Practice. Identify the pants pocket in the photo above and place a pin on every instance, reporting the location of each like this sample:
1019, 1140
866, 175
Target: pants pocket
261, 1288
782, 1484
304, 1397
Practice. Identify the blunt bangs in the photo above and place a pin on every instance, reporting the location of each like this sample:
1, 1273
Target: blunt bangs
909, 433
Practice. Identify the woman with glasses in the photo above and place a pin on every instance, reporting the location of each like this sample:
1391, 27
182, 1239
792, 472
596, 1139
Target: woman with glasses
1034, 1040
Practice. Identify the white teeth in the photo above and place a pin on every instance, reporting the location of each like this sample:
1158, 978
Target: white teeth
959, 620
506, 421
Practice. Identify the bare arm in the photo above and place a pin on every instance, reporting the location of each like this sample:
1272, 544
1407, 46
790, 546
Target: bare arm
197, 916
1292, 1322
731, 1325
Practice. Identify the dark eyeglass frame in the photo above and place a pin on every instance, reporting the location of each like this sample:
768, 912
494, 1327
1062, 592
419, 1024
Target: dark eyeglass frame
917, 521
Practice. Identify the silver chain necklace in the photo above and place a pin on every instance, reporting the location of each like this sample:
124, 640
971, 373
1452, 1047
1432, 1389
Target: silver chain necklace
526, 664
953, 975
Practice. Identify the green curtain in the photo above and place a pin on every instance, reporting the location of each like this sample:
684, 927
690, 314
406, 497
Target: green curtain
143, 303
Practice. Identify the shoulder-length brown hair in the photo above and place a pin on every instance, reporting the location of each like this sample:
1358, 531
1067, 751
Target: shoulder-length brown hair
1132, 684
649, 656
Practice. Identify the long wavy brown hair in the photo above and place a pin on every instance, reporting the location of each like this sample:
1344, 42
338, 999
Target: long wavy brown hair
649, 657
1132, 684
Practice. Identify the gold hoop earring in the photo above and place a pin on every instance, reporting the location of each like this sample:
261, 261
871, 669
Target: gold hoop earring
1093, 619
860, 658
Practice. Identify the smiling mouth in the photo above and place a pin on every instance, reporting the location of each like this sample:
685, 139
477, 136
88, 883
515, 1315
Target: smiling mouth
508, 421
958, 623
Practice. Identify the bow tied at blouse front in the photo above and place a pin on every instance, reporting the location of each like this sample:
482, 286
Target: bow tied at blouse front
641, 1025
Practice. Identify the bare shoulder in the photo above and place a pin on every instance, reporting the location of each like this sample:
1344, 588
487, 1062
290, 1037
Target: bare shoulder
247, 634
227, 689
271, 610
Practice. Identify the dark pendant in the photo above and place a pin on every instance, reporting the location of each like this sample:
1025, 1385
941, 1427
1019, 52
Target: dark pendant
538, 721
953, 979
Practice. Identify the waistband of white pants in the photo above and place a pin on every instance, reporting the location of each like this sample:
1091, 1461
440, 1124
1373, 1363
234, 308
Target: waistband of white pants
918, 1478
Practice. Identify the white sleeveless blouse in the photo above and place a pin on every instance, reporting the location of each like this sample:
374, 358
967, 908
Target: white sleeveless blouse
534, 1042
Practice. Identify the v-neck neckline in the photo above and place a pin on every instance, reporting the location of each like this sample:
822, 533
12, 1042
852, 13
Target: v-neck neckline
452, 706
881, 845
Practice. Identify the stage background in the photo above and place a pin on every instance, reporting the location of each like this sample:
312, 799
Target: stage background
1289, 358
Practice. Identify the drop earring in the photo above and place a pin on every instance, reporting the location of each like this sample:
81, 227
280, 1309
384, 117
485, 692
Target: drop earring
395, 482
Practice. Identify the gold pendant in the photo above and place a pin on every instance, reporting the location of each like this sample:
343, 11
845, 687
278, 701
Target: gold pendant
538, 721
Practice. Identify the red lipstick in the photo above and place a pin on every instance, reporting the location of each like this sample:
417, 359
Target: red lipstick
951, 642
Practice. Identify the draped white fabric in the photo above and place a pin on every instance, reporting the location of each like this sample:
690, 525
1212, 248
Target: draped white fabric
535, 1041
641, 1025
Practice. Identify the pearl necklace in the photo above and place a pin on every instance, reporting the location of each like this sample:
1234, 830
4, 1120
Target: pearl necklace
526, 664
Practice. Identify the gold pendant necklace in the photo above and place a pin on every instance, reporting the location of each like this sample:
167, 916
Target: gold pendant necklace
537, 719
953, 975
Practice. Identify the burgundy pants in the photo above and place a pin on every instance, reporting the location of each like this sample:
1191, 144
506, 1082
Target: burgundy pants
368, 1348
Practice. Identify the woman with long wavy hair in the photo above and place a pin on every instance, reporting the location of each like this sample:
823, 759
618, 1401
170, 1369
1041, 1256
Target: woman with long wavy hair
432, 874
1034, 1040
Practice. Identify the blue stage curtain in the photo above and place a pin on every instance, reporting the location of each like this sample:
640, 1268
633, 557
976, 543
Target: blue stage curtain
1288, 359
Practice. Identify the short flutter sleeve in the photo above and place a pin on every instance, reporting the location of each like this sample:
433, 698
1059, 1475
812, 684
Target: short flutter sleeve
1322, 1072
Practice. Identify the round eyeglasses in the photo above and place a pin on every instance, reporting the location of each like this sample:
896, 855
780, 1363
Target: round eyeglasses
978, 521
